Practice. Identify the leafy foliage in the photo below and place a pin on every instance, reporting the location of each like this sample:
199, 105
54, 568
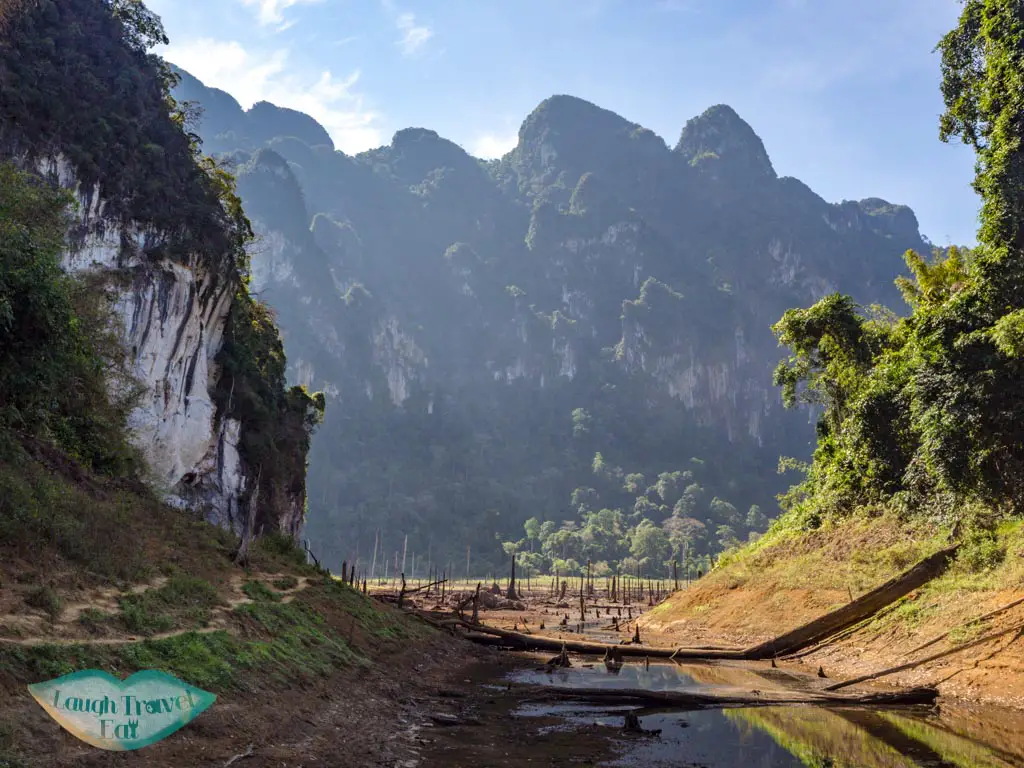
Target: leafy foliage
56, 351
277, 421
75, 77
926, 411
650, 527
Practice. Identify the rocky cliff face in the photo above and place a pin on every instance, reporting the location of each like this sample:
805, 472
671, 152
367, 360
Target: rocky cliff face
172, 317
83, 105
468, 317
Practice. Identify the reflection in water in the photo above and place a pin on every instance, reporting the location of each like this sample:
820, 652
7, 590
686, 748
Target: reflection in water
659, 677
783, 737
871, 738
956, 749
819, 737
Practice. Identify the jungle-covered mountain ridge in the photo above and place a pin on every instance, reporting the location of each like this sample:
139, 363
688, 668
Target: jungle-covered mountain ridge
577, 333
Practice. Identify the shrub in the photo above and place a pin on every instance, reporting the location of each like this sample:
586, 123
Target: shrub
258, 591
46, 599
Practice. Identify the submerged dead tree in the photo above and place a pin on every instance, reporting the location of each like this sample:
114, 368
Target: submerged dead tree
512, 594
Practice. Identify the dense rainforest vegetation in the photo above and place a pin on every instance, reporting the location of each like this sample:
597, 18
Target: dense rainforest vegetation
924, 412
77, 83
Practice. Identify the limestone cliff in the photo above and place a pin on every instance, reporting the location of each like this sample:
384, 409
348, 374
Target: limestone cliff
160, 231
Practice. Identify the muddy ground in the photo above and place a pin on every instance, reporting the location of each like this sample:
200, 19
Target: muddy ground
440, 701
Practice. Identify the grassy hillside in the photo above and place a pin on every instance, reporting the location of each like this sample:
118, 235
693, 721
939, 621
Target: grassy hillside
97, 574
959, 632
95, 571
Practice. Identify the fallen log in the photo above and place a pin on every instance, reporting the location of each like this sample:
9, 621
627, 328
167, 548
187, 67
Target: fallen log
841, 634
856, 611
732, 697
426, 586
523, 642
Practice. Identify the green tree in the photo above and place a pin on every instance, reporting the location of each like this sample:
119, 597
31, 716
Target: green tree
532, 528
649, 543
684, 533
724, 512
983, 90
927, 410
143, 28
513, 547
645, 509
547, 528
832, 352
726, 537
566, 566
585, 499
532, 563
607, 472
56, 345
756, 519
634, 483
670, 486
582, 422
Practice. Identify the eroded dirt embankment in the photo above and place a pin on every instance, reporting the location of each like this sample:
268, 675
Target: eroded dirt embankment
941, 632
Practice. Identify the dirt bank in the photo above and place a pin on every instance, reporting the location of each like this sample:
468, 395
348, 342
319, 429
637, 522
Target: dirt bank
935, 630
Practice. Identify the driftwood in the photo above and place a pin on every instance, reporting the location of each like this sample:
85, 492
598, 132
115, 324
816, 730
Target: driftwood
425, 586
242, 756
732, 697
852, 613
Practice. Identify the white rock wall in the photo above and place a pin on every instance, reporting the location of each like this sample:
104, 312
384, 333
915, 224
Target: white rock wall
172, 317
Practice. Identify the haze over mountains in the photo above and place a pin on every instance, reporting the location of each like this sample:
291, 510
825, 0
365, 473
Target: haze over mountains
484, 329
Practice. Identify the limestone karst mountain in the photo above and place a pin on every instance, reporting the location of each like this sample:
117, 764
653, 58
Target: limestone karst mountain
483, 329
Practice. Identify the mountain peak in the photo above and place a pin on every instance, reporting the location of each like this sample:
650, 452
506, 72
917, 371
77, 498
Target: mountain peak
569, 136
562, 114
415, 152
892, 218
412, 135
719, 131
281, 121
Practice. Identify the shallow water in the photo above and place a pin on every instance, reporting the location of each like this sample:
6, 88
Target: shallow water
659, 677
779, 737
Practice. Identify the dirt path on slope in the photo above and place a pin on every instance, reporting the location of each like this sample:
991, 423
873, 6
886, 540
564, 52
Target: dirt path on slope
33, 627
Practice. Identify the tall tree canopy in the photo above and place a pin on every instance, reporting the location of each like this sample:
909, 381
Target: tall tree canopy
927, 410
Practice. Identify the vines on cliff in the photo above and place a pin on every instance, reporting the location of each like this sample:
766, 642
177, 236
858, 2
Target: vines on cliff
277, 421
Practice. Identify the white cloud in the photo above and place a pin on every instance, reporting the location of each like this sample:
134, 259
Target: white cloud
413, 35
489, 146
272, 11
251, 77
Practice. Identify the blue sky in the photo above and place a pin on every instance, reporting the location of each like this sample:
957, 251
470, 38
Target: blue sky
844, 94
